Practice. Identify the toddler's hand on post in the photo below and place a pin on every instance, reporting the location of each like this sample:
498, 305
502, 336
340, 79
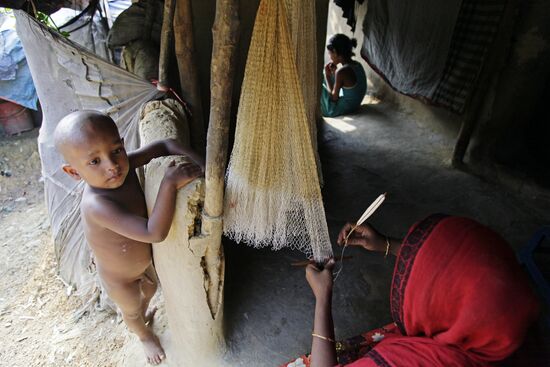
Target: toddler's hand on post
364, 235
319, 280
181, 174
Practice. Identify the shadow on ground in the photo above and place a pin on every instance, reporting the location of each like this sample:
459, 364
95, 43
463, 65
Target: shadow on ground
269, 307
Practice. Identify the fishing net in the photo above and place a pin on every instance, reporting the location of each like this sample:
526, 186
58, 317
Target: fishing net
273, 196
302, 28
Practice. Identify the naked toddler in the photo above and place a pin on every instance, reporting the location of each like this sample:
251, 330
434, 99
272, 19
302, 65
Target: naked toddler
114, 212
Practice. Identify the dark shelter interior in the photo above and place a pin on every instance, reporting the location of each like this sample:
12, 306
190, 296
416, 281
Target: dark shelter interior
460, 128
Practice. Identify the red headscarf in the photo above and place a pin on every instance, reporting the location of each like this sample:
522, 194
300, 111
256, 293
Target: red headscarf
458, 296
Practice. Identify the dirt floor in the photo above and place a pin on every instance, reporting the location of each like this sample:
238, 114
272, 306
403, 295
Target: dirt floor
379, 149
37, 310
268, 305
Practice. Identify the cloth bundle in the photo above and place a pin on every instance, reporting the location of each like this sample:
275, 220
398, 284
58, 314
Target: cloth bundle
16, 83
273, 197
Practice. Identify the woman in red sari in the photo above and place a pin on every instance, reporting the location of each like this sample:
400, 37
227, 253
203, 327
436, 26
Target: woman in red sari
458, 298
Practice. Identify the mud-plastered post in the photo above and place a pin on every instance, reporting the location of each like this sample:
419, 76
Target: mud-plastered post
184, 272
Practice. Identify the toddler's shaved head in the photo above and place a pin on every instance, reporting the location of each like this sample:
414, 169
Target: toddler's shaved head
79, 126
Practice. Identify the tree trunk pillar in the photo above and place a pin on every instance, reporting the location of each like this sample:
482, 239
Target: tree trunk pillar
189, 74
166, 41
195, 336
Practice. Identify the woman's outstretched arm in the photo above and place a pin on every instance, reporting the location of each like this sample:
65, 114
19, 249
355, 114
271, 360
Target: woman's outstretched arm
369, 238
323, 348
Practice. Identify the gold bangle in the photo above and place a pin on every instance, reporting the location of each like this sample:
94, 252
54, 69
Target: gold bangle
388, 245
323, 337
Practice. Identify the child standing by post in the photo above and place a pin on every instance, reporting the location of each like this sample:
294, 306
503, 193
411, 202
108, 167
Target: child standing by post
114, 212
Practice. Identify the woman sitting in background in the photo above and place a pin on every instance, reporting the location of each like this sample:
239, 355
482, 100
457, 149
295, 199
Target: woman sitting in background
343, 88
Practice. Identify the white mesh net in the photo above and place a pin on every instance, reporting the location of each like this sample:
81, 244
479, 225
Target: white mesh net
273, 196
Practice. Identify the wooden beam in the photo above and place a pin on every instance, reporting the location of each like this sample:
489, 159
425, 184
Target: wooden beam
481, 98
166, 41
469, 122
188, 71
226, 34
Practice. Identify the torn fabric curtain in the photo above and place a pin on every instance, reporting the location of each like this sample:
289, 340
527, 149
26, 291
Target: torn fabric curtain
429, 50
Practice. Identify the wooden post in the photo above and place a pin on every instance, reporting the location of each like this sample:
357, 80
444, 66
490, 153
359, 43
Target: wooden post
166, 40
196, 335
467, 128
494, 62
226, 35
150, 17
225, 32
189, 74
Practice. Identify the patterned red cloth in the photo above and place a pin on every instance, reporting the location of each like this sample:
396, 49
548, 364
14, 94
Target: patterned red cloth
459, 298
352, 349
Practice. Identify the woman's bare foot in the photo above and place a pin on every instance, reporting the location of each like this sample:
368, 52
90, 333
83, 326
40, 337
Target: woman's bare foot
153, 350
149, 316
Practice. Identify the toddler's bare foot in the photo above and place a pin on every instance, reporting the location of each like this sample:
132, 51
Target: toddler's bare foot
149, 316
153, 350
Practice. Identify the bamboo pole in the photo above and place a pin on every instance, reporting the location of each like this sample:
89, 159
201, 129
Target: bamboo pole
226, 34
166, 41
188, 71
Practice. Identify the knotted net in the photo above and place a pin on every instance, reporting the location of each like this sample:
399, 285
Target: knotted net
302, 30
273, 196
303, 35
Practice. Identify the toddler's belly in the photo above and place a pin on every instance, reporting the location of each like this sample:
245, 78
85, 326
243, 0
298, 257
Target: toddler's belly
126, 264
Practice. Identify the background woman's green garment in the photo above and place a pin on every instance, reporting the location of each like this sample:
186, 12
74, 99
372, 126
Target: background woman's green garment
350, 98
